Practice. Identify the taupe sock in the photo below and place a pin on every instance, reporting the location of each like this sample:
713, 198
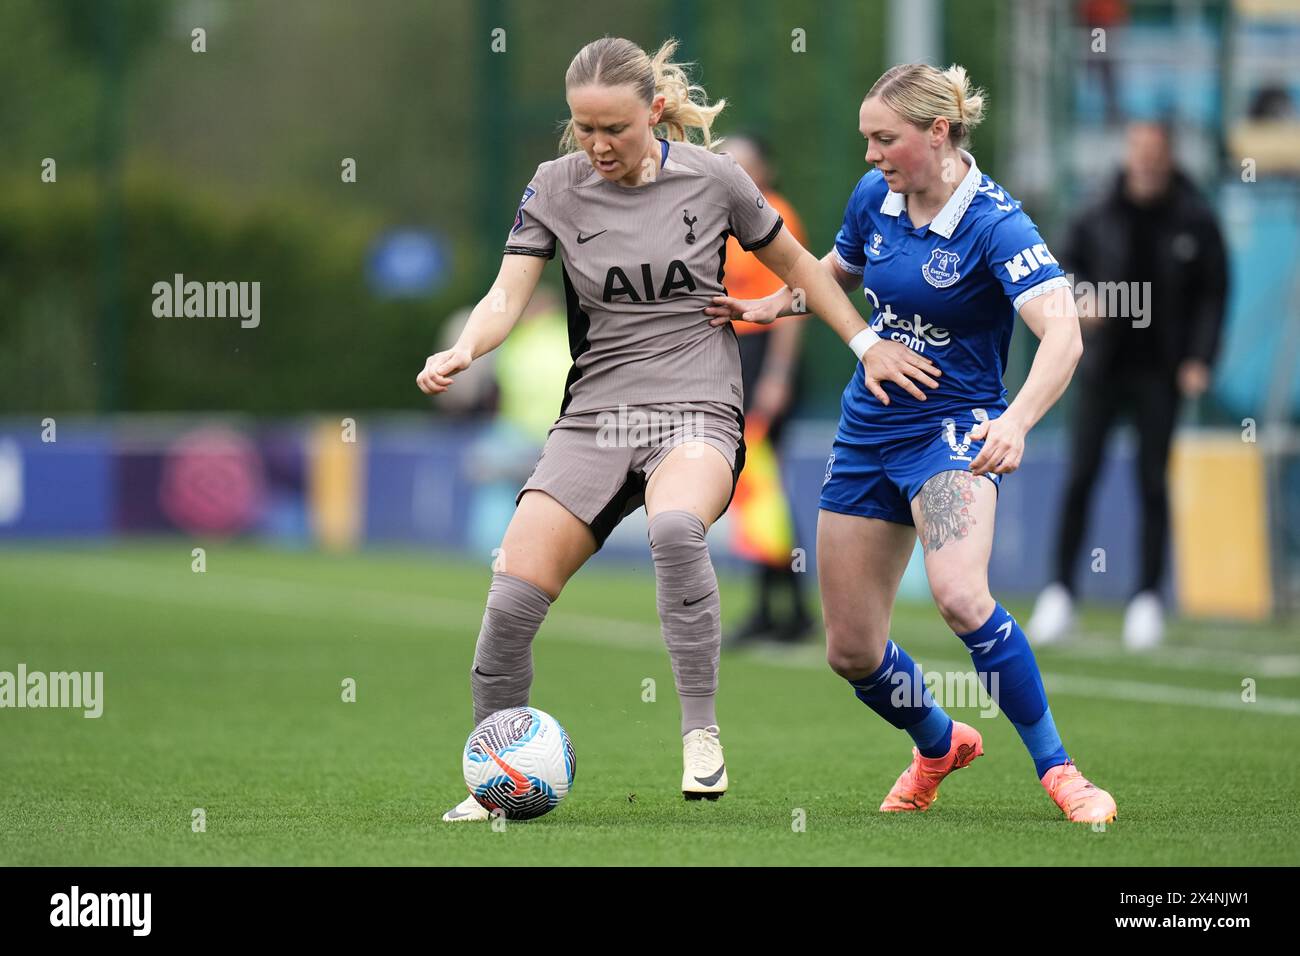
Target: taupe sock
503, 658
698, 712
690, 613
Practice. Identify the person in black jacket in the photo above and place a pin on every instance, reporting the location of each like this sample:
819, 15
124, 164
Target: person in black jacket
1151, 280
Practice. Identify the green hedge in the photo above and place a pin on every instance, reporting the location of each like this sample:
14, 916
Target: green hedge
324, 341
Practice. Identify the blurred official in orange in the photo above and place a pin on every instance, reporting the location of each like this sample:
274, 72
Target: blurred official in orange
762, 529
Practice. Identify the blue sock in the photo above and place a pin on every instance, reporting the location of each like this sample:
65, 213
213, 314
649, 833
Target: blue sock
1008, 671
897, 692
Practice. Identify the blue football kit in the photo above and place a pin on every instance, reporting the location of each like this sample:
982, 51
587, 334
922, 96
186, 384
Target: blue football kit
948, 290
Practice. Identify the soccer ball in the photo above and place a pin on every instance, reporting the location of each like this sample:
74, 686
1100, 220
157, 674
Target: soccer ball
519, 761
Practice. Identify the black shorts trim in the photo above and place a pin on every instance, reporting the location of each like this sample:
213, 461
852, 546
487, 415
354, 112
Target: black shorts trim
739, 465
629, 497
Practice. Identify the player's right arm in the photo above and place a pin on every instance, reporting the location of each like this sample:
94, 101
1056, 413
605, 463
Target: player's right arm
779, 303
489, 323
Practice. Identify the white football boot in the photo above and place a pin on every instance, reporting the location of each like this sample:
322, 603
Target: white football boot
1144, 622
468, 809
705, 773
1053, 617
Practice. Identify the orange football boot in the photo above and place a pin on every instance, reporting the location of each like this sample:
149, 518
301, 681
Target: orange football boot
918, 785
1082, 801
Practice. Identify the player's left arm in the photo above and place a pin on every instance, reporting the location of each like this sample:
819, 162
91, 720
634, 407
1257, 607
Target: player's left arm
1053, 318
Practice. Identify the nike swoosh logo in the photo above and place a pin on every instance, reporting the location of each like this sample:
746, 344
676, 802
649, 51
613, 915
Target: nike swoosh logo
712, 778
582, 238
521, 784
686, 603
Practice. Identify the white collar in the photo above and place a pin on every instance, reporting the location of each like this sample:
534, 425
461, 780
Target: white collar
945, 223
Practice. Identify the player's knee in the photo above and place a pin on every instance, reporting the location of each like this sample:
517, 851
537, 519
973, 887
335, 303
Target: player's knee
533, 571
964, 605
515, 610
852, 656
675, 535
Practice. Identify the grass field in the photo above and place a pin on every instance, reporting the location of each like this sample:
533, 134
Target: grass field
222, 691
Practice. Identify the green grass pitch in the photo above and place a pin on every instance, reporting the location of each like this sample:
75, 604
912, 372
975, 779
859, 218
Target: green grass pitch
223, 691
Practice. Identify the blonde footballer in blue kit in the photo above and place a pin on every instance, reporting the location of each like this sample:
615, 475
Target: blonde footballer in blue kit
946, 259
641, 225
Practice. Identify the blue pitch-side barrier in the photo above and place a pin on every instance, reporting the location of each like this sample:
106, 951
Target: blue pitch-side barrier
63, 489
451, 486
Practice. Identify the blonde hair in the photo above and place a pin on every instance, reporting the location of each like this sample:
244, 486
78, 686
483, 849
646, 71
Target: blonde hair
920, 94
613, 61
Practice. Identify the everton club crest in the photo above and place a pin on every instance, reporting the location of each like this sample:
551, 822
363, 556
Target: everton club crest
941, 269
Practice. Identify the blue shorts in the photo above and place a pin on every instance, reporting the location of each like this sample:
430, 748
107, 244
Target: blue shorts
879, 478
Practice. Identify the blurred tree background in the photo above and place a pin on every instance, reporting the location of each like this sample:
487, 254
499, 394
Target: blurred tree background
225, 165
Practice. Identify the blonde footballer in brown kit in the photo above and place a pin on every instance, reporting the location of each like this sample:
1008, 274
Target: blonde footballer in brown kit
641, 223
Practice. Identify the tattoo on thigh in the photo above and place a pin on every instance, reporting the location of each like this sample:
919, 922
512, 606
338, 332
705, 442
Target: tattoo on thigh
946, 501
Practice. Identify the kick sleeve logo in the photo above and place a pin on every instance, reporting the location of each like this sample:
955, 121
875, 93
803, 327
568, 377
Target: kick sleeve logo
1027, 261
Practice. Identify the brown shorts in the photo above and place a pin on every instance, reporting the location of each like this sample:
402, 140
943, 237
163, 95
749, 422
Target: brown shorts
597, 463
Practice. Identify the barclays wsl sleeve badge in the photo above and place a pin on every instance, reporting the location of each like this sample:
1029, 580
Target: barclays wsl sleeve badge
529, 193
941, 269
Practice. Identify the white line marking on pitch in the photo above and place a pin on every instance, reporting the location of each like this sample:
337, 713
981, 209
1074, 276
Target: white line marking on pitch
232, 591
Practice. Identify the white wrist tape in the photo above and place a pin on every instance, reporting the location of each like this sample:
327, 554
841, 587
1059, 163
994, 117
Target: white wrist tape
863, 341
